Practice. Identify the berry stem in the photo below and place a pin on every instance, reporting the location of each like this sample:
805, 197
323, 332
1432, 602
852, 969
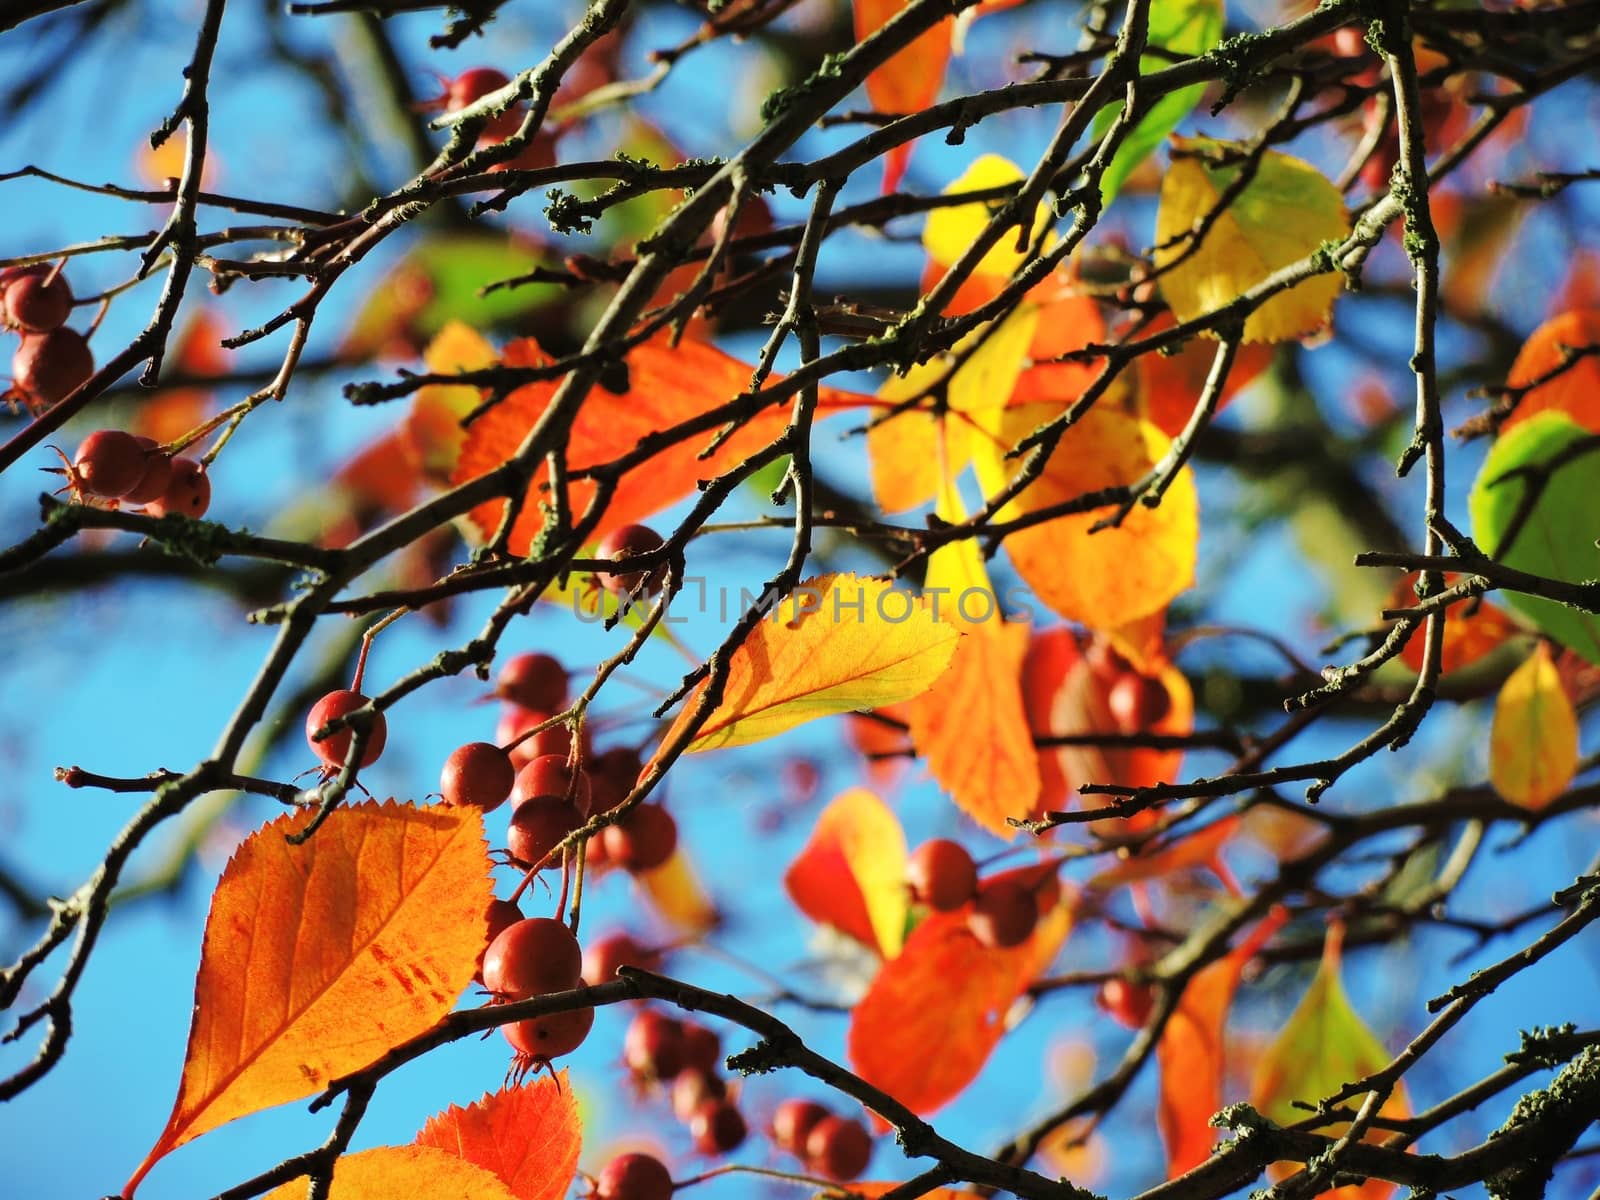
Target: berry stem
366, 645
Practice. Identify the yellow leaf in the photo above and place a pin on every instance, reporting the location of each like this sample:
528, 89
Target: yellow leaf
1282, 215
1533, 741
950, 231
912, 450
852, 873
1103, 580
837, 643
385, 1172
675, 892
434, 424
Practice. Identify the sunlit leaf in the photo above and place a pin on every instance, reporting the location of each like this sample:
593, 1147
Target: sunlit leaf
528, 1136
909, 82
1576, 390
1198, 849
1108, 578
1476, 627
1170, 384
1533, 508
934, 1015
1190, 27
1533, 741
1190, 1052
852, 872
375, 930
837, 643
386, 1172
677, 895
1285, 213
1324, 1046
950, 231
434, 423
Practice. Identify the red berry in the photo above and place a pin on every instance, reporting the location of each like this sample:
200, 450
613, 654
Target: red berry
612, 776
49, 367
473, 85
838, 1148
643, 840
37, 301
336, 746
942, 875
532, 958
633, 1177
501, 916
539, 1039
551, 776
691, 1089
1136, 702
110, 463
653, 1046
793, 1122
157, 475
1003, 915
479, 774
537, 827
1128, 1004
516, 721
604, 956
717, 1127
536, 681
188, 491
621, 544
702, 1048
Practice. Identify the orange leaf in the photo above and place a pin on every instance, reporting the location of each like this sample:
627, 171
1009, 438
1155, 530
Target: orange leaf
1576, 391
909, 81
852, 873
385, 1172
666, 387
933, 1015
1476, 627
911, 453
1170, 385
434, 424
375, 930
1198, 849
836, 643
1109, 578
678, 897
1190, 1053
528, 1136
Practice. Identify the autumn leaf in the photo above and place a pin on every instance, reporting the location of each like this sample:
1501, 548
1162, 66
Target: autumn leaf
950, 230
666, 386
851, 874
1108, 578
1575, 390
1324, 1046
1201, 848
1533, 508
434, 423
836, 643
376, 929
386, 1172
909, 82
1170, 384
1190, 1052
528, 1136
934, 1014
678, 897
1533, 740
971, 725
1282, 215
1476, 627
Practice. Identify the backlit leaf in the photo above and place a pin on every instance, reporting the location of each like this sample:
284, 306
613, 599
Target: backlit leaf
933, 1015
434, 423
528, 1136
386, 1172
374, 932
1476, 628
1323, 1046
1108, 578
1282, 215
666, 386
1533, 741
1576, 390
837, 643
1170, 384
949, 231
909, 81
1190, 1052
1198, 849
1189, 27
677, 895
1533, 508
852, 873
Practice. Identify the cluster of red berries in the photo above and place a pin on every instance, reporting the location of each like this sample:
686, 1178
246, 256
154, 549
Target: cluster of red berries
52, 361
1001, 912
112, 464
834, 1147
1136, 701
683, 1057
535, 956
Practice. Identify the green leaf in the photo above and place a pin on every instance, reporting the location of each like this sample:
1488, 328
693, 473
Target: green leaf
1533, 508
1191, 27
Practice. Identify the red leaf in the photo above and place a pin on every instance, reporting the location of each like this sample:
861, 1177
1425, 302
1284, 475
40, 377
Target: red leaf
528, 1136
853, 867
1576, 390
908, 82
